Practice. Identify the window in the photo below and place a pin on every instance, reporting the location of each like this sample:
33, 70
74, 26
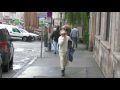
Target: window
107, 26
16, 30
99, 24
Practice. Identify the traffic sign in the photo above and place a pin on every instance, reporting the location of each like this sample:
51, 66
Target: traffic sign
49, 14
42, 14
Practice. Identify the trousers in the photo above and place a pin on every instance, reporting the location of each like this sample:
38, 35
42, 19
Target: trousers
63, 60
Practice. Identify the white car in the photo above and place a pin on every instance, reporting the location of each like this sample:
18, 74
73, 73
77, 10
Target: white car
34, 36
15, 33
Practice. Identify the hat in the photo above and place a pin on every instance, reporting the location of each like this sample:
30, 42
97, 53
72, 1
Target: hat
62, 32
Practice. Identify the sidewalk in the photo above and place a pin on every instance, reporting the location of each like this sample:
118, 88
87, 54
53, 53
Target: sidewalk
83, 66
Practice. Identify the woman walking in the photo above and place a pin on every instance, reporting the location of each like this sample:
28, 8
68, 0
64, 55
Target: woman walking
63, 49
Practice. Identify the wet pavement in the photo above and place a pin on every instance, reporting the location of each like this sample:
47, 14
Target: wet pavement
83, 66
25, 53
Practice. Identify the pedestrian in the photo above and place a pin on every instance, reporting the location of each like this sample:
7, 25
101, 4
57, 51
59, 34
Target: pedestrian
67, 28
63, 50
55, 35
74, 36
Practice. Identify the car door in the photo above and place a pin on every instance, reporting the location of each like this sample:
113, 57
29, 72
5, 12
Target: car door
16, 33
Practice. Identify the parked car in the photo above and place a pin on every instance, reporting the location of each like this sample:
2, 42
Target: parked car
38, 32
34, 36
0, 66
6, 49
15, 33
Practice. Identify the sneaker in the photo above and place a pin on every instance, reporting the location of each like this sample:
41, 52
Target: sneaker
62, 73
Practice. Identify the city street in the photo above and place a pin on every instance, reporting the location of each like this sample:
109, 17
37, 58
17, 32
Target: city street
25, 53
29, 64
97, 54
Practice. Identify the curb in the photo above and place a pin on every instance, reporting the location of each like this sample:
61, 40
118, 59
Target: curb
25, 67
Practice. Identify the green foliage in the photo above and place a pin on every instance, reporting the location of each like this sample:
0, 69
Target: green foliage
80, 18
72, 18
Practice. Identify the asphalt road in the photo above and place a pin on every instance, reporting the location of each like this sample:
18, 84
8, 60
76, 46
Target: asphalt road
25, 53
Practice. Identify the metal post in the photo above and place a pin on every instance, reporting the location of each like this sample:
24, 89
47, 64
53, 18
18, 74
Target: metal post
41, 42
49, 40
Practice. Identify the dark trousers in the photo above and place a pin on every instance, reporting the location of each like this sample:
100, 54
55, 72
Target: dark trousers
74, 41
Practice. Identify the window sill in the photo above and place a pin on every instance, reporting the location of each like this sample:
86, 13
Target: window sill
97, 37
106, 44
116, 55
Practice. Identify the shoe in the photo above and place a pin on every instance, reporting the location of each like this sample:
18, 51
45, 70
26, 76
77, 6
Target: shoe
63, 72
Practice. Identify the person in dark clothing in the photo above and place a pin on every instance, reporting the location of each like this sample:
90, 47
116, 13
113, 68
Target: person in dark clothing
55, 35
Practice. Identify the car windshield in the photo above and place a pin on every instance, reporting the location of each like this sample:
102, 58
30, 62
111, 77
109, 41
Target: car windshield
23, 31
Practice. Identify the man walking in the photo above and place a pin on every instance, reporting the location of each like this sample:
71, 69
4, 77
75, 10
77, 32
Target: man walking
55, 35
74, 36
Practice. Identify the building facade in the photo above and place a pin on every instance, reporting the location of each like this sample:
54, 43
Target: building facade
106, 42
9, 17
31, 21
58, 17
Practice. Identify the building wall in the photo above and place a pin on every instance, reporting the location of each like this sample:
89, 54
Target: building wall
92, 30
56, 17
20, 15
107, 53
31, 21
11, 15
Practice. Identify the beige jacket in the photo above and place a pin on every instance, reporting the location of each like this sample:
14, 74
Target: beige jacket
63, 43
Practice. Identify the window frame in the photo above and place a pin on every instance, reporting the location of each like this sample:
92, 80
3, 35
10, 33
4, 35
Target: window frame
16, 30
100, 18
107, 26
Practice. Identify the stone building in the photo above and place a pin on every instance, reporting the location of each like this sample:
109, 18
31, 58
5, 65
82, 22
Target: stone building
105, 41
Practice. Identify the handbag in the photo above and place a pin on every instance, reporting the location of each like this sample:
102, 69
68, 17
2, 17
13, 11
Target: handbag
71, 51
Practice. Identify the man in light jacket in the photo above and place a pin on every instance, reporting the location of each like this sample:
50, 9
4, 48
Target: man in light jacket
63, 50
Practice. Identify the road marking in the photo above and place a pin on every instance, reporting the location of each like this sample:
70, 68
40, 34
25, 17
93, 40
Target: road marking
19, 49
32, 60
24, 68
17, 67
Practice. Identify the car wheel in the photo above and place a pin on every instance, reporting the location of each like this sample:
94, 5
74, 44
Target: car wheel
33, 38
0, 71
6, 67
11, 64
24, 38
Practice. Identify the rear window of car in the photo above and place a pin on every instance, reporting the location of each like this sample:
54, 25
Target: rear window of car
4, 35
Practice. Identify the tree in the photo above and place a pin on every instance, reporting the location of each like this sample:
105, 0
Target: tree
81, 19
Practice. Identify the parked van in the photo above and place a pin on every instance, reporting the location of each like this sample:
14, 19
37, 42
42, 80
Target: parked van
15, 33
